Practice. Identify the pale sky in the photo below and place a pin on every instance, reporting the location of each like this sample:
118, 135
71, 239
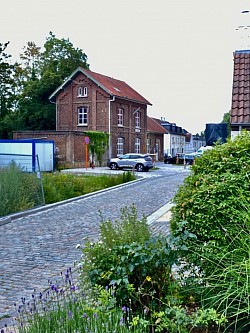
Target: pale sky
178, 54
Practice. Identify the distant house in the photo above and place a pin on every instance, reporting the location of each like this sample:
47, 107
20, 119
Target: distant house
155, 139
88, 101
194, 142
174, 138
240, 109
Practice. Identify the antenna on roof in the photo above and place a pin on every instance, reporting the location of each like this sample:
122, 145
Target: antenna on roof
243, 31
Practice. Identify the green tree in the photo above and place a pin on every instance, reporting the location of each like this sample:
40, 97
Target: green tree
42, 73
7, 88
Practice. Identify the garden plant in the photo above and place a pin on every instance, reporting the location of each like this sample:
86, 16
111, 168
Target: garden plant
213, 204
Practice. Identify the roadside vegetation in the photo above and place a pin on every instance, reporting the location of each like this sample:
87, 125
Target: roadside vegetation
20, 191
195, 280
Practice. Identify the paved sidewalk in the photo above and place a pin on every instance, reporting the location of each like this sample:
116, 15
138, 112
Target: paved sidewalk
39, 246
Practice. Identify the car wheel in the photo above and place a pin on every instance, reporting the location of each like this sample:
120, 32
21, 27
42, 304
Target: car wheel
113, 166
139, 167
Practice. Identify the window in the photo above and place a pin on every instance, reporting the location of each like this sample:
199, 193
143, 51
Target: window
82, 92
82, 116
137, 119
148, 145
120, 117
137, 145
120, 145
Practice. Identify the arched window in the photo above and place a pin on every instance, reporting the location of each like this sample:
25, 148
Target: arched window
82, 92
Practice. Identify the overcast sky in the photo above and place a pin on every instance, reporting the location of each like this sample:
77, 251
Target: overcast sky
178, 54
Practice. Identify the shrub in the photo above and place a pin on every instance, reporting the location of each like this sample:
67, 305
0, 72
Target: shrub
213, 203
213, 196
128, 257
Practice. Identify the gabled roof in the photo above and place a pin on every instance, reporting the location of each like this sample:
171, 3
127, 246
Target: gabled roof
112, 86
240, 109
154, 127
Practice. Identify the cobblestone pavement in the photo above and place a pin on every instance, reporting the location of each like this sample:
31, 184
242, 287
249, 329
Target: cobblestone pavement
38, 247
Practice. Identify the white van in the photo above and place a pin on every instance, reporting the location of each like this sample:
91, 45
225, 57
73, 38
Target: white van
201, 150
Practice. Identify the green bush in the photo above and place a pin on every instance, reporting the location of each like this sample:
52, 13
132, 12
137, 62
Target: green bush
213, 204
128, 257
214, 194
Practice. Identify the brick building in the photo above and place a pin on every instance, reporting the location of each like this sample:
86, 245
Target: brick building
88, 101
240, 110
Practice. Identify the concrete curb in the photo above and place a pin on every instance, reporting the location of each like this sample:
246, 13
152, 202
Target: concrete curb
159, 213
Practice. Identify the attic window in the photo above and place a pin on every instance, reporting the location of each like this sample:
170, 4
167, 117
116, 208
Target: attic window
117, 89
82, 92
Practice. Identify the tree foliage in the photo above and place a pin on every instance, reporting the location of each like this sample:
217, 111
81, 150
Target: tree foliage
7, 86
26, 86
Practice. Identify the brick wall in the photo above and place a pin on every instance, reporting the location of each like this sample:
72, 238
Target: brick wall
69, 145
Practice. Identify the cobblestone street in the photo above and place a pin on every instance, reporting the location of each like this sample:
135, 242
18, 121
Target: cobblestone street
37, 247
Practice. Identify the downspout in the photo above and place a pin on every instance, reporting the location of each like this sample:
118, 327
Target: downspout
110, 142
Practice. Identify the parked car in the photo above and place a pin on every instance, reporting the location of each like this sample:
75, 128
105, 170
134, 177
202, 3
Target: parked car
201, 150
179, 159
139, 162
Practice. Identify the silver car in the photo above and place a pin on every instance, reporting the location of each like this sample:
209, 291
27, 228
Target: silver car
139, 162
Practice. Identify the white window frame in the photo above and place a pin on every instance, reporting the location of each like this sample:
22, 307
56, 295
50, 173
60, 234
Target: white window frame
148, 145
82, 115
137, 145
138, 119
120, 146
120, 117
82, 92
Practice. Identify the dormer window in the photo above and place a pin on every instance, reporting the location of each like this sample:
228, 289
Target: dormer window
82, 92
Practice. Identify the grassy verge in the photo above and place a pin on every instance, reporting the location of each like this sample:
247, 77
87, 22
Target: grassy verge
58, 187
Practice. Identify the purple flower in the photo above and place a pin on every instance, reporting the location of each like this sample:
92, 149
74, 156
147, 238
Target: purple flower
85, 315
124, 309
69, 314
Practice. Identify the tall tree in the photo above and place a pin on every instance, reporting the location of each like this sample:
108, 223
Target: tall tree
44, 72
7, 88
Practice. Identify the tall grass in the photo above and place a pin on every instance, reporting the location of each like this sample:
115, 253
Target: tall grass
59, 186
19, 190
227, 288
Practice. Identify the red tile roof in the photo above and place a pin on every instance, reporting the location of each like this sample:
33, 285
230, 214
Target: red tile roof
240, 109
112, 86
154, 127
